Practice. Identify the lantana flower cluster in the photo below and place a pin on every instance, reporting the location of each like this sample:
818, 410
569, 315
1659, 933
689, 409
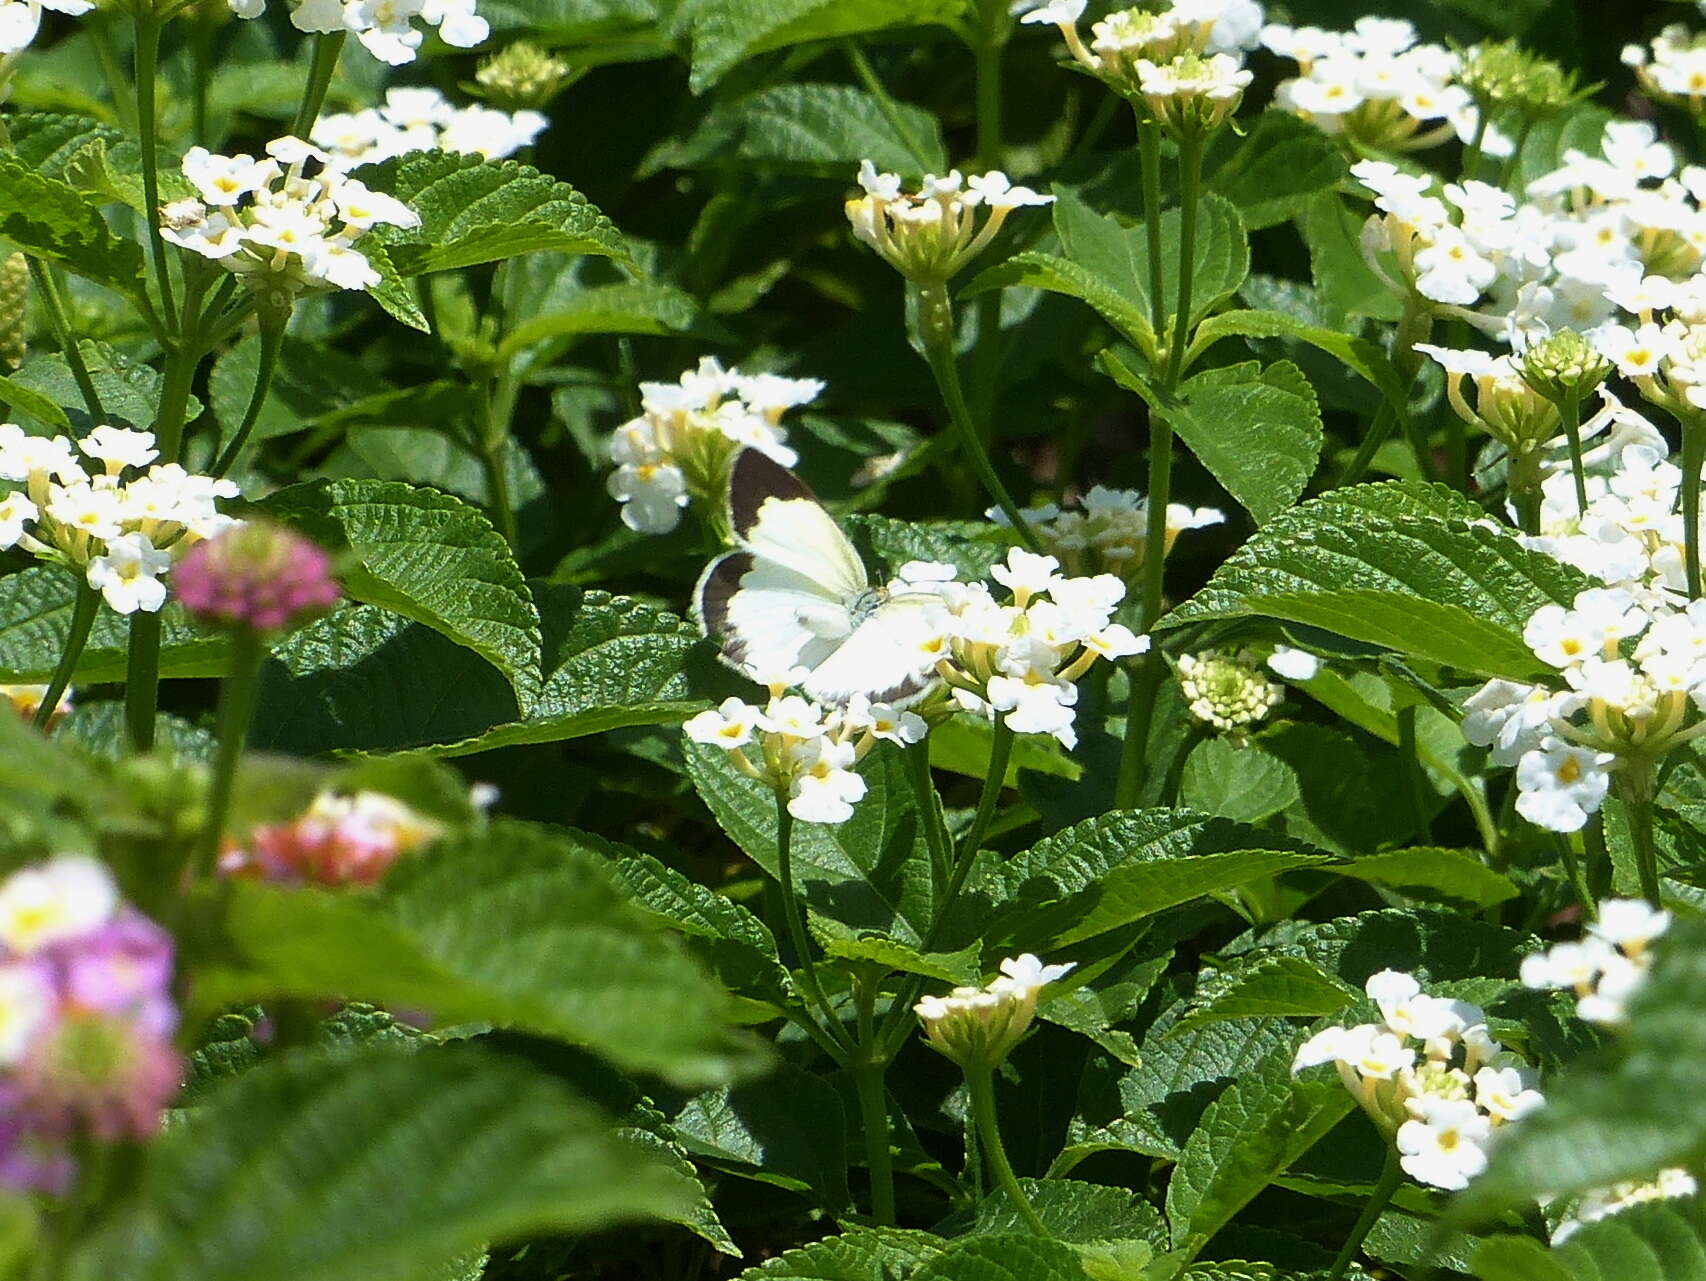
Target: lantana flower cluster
678, 450
1671, 68
86, 1020
1108, 533
386, 28
76, 507
283, 230
977, 1027
930, 234
1021, 658
1602, 1203
1607, 966
1430, 1076
418, 118
1630, 685
805, 749
1228, 691
340, 839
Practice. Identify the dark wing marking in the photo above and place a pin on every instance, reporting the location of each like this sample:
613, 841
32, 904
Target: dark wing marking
717, 586
753, 477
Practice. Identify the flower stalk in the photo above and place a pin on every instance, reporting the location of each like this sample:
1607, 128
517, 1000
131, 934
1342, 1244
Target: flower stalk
1391, 1175
236, 709
83, 610
980, 1085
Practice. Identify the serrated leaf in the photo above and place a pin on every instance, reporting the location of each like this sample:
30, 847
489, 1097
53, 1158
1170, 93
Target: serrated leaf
1364, 565
1015, 1257
129, 390
634, 307
1342, 276
1279, 164
1249, 1135
736, 944
819, 129
1285, 986
429, 557
32, 404
948, 967
1073, 1211
970, 546
1258, 431
1517, 1259
610, 662
1436, 946
51, 219
1121, 867
869, 873
475, 211
1358, 354
516, 925
1621, 1116
788, 1128
1653, 1242
1458, 876
374, 1166
727, 32
1245, 783
864, 1254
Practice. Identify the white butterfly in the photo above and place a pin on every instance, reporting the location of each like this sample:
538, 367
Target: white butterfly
796, 595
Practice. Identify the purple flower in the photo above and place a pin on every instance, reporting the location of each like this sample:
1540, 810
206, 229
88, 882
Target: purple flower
123, 969
27, 1163
257, 577
104, 1074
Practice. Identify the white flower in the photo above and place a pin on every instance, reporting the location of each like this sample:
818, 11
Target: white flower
1059, 12
128, 575
1024, 976
883, 721
1377, 1056
26, 1004
1026, 574
1506, 1093
1629, 924
825, 788
652, 496
64, 898
1330, 1045
1036, 706
118, 448
20, 20
1443, 1147
1562, 784
1294, 664
16, 512
729, 725
996, 191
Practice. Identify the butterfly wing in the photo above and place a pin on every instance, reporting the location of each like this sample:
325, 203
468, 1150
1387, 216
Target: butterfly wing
776, 517
888, 656
769, 618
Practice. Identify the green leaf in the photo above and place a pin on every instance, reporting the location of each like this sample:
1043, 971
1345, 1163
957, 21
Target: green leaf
429, 557
376, 1165
633, 307
310, 383
1015, 1257
963, 745
610, 662
514, 925
1248, 1136
1258, 431
726, 33
1373, 564
1278, 166
864, 1254
1620, 1116
1275, 986
475, 211
735, 943
1652, 1242
970, 546
129, 390
1358, 354
35, 621
787, 1129
31, 403
1436, 946
869, 873
1122, 867
823, 130
1581, 128
1343, 278
1455, 876
51, 219
1073, 1211
1518, 1259
1245, 783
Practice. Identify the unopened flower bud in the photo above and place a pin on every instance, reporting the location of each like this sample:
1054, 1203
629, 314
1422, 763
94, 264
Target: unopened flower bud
523, 76
1226, 691
1564, 367
978, 1027
1501, 74
259, 577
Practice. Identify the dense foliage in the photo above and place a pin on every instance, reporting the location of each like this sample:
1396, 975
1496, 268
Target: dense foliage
865, 640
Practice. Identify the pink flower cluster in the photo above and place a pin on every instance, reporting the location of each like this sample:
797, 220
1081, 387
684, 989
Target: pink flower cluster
338, 840
86, 1020
257, 576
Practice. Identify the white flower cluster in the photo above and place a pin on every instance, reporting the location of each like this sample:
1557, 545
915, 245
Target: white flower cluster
271, 223
74, 507
1602, 1203
679, 448
979, 1026
804, 748
1377, 86
386, 28
20, 20
1228, 691
1430, 1076
1608, 966
1109, 532
1185, 60
1672, 68
930, 234
1022, 658
1609, 712
423, 119
1445, 257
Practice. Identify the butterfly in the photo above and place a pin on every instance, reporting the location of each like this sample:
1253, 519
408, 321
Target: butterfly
795, 594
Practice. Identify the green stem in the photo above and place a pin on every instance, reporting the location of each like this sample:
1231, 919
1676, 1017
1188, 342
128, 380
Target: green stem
489, 446
272, 338
1693, 459
980, 1084
236, 708
327, 49
1149, 152
101, 41
935, 313
917, 758
83, 611
147, 125
1190, 189
1570, 412
1416, 775
142, 680
886, 105
987, 49
1523, 478
994, 780
1379, 432
796, 926
1390, 1177
1413, 327
868, 1072
1637, 786
1472, 157
1570, 853
47, 290
178, 379
1148, 670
